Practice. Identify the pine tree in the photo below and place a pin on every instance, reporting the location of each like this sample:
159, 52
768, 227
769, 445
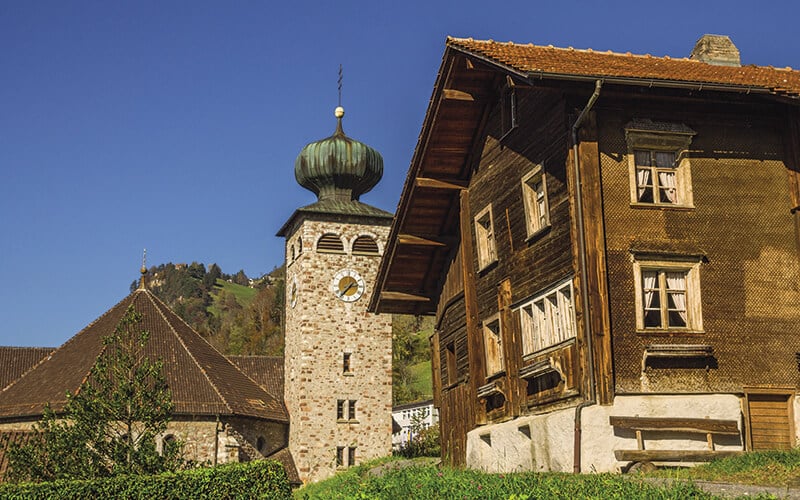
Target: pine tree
110, 426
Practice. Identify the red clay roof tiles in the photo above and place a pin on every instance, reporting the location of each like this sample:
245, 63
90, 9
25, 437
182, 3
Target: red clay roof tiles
533, 59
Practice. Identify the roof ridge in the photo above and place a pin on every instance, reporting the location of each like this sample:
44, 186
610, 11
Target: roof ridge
156, 302
589, 50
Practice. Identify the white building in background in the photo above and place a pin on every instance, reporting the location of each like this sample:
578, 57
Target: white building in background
409, 418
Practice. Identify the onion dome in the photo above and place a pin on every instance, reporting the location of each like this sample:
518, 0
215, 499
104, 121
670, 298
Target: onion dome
338, 168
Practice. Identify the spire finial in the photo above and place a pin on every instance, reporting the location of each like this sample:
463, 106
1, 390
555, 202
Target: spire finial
340, 85
339, 111
143, 270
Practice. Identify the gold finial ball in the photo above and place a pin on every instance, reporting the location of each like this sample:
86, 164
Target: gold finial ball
143, 270
338, 112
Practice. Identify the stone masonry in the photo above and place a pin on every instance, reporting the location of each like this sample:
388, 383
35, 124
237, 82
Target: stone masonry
320, 330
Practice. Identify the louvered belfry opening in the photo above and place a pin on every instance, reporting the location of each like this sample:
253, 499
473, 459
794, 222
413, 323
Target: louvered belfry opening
365, 245
330, 243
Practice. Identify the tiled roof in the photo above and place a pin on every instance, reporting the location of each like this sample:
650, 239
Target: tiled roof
284, 456
266, 371
14, 361
202, 381
8, 439
552, 61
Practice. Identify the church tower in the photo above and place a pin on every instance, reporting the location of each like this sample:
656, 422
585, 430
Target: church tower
338, 357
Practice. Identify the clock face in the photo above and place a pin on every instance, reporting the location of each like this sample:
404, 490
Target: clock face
348, 285
293, 292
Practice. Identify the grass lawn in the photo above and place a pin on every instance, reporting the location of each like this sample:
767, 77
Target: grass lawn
766, 468
424, 481
430, 482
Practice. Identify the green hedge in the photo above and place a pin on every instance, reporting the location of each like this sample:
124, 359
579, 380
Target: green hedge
259, 479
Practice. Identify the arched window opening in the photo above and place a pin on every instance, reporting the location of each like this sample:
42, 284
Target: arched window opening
365, 245
330, 243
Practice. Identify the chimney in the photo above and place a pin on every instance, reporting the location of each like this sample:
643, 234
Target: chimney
716, 49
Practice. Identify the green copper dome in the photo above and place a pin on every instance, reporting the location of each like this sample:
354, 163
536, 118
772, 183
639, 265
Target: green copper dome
338, 168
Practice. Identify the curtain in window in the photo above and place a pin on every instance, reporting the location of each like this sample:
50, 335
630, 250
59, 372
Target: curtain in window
649, 280
643, 182
676, 288
666, 180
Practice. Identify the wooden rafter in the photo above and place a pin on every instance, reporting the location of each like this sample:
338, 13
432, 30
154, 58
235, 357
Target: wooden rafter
427, 182
410, 239
404, 297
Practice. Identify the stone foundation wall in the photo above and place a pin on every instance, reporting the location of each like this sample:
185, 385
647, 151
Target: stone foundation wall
545, 442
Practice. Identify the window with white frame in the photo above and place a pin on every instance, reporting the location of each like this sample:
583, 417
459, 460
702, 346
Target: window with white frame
667, 295
548, 319
658, 163
534, 197
484, 238
493, 345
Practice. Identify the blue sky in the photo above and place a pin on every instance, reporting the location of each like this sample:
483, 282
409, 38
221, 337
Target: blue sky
174, 125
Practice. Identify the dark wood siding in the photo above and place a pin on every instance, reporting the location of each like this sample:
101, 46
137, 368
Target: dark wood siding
741, 223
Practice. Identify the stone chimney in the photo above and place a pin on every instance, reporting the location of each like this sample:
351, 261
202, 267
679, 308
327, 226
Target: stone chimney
716, 49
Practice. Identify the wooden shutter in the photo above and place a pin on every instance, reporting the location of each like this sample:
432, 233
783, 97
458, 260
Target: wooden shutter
770, 421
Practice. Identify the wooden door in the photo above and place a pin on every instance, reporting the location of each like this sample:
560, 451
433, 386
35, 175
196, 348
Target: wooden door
770, 421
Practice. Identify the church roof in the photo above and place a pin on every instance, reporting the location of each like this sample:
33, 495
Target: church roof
201, 379
266, 371
14, 361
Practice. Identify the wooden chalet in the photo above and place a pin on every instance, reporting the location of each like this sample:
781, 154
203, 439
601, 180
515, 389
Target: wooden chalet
609, 243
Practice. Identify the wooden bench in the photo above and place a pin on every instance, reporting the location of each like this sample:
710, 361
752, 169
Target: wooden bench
709, 427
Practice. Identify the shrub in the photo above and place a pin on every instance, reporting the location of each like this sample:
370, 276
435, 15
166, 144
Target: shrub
424, 442
258, 479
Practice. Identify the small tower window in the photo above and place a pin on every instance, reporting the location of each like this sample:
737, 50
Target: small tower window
346, 363
330, 243
365, 245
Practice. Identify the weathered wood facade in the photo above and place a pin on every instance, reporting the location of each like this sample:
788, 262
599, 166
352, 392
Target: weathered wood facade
658, 195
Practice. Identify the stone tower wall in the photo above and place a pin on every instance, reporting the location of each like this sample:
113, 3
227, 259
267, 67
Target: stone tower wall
320, 329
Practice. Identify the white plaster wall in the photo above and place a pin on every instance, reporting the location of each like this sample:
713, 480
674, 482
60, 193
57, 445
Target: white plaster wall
550, 446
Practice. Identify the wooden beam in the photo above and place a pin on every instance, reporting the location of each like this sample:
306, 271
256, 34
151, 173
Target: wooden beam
410, 239
457, 95
402, 296
698, 425
427, 182
673, 455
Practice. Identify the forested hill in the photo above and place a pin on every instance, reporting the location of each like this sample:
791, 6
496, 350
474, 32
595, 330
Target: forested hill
238, 315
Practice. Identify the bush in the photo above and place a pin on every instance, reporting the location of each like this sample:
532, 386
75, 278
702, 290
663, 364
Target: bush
424, 442
259, 479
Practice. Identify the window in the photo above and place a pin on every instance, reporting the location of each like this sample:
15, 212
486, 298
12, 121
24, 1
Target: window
346, 410
484, 238
346, 363
351, 409
534, 196
340, 456
667, 296
493, 343
330, 243
548, 319
450, 363
365, 245
655, 177
508, 108
340, 409
658, 163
